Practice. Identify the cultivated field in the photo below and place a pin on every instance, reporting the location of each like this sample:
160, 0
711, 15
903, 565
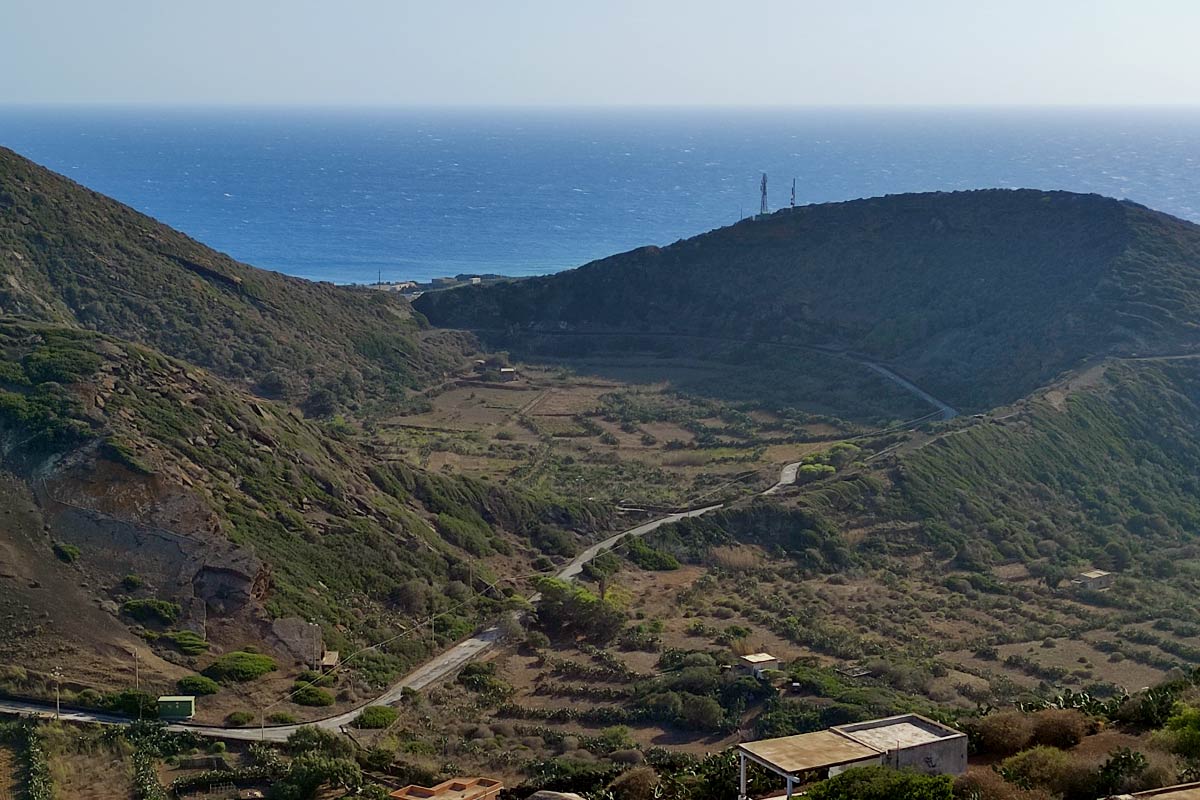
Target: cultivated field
619, 431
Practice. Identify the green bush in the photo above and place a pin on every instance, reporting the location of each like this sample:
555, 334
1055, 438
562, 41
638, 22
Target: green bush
151, 610
188, 642
131, 582
882, 783
376, 717
315, 678
239, 667
198, 685
305, 694
66, 553
239, 719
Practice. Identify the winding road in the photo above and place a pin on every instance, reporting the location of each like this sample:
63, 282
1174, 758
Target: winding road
464, 652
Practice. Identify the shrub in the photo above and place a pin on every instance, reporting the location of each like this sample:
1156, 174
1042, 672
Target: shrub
701, 713
1059, 727
66, 553
1051, 769
198, 685
311, 739
315, 678
883, 783
1001, 733
376, 717
986, 784
305, 694
282, 718
188, 642
638, 783
239, 667
132, 583
239, 719
151, 610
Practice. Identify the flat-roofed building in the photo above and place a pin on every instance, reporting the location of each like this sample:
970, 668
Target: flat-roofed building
1094, 580
756, 663
453, 789
908, 741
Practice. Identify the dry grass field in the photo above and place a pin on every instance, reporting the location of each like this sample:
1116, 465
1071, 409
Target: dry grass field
628, 436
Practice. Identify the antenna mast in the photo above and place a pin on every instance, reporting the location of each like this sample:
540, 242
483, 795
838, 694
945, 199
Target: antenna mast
793, 192
763, 210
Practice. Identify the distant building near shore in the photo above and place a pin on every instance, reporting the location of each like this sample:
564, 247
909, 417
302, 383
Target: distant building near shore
400, 286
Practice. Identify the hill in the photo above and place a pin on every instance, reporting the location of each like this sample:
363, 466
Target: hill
153, 499
72, 257
979, 296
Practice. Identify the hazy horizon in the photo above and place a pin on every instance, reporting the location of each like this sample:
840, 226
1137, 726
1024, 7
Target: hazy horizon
620, 53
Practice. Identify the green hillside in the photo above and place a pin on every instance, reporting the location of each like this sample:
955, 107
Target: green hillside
73, 257
154, 475
979, 296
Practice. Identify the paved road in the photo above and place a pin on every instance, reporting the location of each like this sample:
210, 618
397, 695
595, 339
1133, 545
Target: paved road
946, 411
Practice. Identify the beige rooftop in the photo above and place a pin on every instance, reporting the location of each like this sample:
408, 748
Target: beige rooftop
894, 735
758, 658
845, 744
808, 751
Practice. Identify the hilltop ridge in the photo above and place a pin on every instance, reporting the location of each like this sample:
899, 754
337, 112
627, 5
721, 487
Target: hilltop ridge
980, 296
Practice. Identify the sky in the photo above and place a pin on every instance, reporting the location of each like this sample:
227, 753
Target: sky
599, 52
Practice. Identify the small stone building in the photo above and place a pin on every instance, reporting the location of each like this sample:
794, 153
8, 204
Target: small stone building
1094, 580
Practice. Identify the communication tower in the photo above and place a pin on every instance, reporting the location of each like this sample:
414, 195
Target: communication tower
763, 209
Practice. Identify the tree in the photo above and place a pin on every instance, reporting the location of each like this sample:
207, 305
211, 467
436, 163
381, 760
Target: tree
703, 713
311, 739
310, 771
568, 609
882, 783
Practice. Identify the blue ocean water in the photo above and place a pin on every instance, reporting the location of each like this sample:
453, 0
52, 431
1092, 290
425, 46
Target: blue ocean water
347, 196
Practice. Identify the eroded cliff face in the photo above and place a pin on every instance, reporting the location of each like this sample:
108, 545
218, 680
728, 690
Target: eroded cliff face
60, 613
145, 525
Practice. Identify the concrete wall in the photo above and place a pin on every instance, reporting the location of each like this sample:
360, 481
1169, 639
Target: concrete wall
942, 757
866, 762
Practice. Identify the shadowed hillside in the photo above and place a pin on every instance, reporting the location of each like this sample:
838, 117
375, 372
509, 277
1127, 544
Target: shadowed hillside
980, 296
73, 257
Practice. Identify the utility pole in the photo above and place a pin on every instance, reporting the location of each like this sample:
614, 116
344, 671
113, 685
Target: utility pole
793, 192
262, 723
57, 675
137, 672
763, 207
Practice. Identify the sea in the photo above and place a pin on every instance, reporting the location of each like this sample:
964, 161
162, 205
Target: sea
356, 196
